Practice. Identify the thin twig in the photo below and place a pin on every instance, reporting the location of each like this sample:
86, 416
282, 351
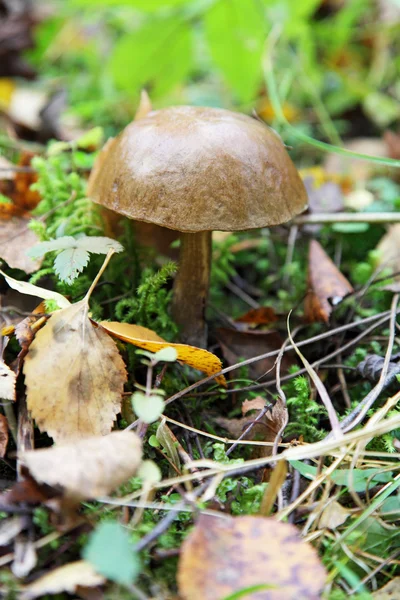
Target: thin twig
358, 414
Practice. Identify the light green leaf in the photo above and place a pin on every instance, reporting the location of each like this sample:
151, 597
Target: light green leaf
168, 354
69, 263
149, 472
147, 408
75, 253
357, 479
93, 137
95, 244
33, 290
111, 553
350, 227
236, 34
158, 55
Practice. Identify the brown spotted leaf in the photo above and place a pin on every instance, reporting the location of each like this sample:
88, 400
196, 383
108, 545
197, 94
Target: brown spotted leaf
74, 376
145, 338
87, 468
223, 555
327, 285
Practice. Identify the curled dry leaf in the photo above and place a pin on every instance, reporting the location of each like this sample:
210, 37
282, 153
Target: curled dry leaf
63, 579
74, 376
224, 555
327, 285
264, 430
3, 434
390, 591
87, 468
255, 404
145, 338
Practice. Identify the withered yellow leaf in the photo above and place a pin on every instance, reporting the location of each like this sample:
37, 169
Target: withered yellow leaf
147, 339
74, 376
87, 468
63, 579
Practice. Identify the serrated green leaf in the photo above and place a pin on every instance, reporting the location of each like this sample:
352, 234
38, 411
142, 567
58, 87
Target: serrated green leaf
69, 263
94, 244
98, 245
111, 553
61, 243
158, 55
236, 34
147, 408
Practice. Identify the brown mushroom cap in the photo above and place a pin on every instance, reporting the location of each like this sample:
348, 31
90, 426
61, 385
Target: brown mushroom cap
198, 169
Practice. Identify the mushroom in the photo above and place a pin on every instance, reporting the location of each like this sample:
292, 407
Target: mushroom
196, 170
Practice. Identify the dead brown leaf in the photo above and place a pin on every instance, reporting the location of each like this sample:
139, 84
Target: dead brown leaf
237, 345
87, 468
258, 316
15, 240
74, 376
333, 516
3, 435
255, 404
264, 430
327, 285
64, 579
223, 555
390, 591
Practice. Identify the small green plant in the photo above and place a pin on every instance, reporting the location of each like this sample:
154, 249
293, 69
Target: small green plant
305, 413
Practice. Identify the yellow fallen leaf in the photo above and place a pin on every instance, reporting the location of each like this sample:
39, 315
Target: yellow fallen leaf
74, 376
147, 339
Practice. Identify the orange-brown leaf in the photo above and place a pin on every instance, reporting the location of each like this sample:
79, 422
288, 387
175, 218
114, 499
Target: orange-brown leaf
258, 316
223, 555
145, 338
327, 285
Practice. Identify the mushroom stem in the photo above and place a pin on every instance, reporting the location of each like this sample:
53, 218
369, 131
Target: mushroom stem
191, 287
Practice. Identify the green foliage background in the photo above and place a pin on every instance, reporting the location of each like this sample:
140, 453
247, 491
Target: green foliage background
212, 52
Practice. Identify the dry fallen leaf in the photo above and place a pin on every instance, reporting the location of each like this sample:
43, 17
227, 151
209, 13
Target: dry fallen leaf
327, 285
333, 516
223, 555
148, 340
390, 591
63, 579
255, 404
87, 468
15, 240
74, 376
361, 170
3, 435
7, 382
264, 430
389, 248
